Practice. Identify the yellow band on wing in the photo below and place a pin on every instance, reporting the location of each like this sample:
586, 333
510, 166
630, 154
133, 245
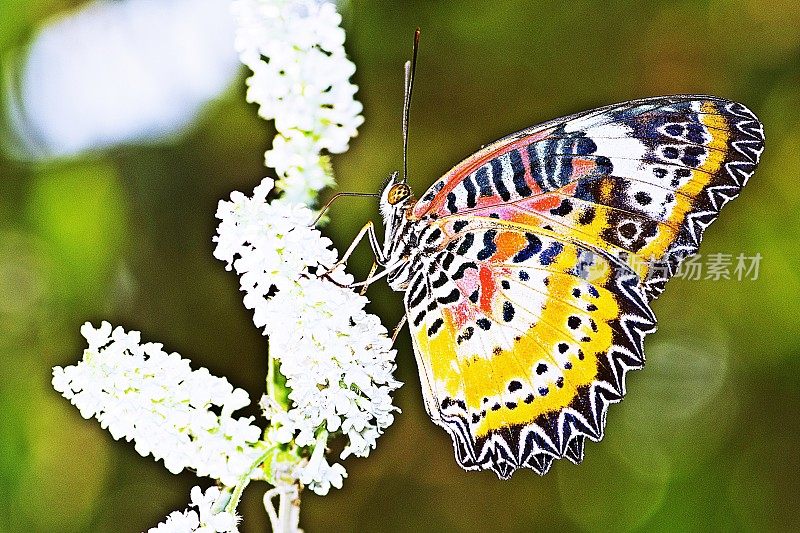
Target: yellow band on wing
486, 375
700, 178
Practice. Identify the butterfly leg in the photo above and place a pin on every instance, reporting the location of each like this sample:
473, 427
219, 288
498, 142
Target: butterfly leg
372, 278
398, 327
371, 273
369, 231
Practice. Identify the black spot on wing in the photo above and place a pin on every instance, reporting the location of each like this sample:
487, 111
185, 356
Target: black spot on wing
465, 335
471, 192
440, 281
563, 209
462, 268
518, 169
438, 323
643, 198
587, 216
489, 246
482, 178
585, 146
466, 244
533, 247
497, 179
448, 260
536, 167
433, 236
453, 297
420, 295
549, 255
508, 311
451, 202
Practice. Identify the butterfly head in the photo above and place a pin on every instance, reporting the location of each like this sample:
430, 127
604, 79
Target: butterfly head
394, 197
397, 193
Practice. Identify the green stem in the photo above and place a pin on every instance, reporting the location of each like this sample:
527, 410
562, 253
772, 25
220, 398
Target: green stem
236, 495
270, 373
276, 382
277, 390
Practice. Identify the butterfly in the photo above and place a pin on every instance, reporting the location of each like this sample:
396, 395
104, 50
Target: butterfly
528, 269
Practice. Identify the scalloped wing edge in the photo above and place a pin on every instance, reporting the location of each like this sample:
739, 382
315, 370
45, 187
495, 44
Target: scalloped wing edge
742, 165
536, 445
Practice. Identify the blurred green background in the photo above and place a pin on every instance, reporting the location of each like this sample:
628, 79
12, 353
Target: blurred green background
707, 437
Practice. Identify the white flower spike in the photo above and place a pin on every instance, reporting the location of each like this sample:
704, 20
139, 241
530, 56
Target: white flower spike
301, 80
337, 359
330, 362
143, 394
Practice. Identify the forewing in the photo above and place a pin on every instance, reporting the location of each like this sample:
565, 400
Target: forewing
523, 338
641, 180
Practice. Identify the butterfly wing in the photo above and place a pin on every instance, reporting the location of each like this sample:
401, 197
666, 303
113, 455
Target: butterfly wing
576, 222
642, 179
523, 339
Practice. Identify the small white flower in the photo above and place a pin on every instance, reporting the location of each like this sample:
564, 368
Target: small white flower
318, 475
141, 393
208, 518
178, 522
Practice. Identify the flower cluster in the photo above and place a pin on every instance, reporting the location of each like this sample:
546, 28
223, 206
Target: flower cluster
331, 362
337, 359
301, 80
143, 394
206, 518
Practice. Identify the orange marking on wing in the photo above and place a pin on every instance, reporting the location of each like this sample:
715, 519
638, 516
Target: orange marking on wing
606, 187
569, 189
508, 243
546, 202
582, 167
487, 290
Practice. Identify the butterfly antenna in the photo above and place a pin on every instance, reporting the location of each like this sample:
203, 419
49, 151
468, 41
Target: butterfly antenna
410, 68
339, 195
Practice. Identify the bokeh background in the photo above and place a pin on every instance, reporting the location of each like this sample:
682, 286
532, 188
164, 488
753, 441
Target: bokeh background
707, 438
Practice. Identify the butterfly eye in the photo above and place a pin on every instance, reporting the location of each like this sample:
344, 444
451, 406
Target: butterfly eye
398, 193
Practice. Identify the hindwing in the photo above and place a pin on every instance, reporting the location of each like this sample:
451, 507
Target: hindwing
523, 338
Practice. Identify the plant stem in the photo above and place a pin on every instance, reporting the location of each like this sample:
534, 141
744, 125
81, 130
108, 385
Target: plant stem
287, 517
276, 382
236, 495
